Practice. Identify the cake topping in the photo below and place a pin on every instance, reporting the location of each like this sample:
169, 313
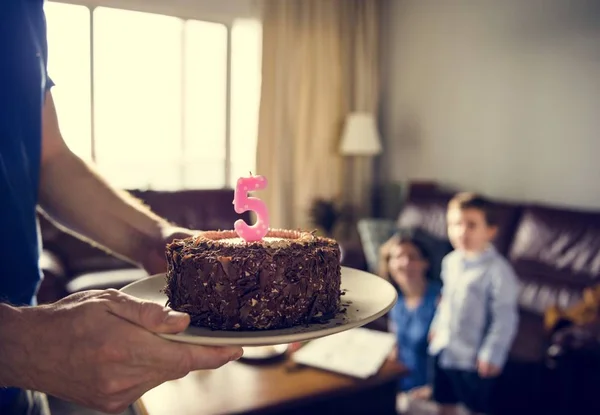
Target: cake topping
275, 238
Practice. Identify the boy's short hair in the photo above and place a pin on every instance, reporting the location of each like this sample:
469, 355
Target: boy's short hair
469, 200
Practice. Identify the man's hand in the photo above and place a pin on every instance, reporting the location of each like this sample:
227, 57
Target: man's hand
487, 370
154, 262
99, 349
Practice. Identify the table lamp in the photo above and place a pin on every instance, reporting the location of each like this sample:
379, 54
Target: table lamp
360, 142
360, 136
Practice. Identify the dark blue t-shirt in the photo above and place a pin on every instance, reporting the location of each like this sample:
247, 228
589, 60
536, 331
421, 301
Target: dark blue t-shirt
23, 82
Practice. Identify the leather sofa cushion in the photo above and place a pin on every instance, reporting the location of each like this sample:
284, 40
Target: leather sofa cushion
537, 293
508, 215
427, 212
196, 209
530, 342
76, 255
556, 254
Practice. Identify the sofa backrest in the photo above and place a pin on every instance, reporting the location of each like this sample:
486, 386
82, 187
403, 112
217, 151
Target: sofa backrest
210, 209
194, 209
556, 253
428, 212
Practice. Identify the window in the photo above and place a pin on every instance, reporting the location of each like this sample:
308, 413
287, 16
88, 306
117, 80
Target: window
156, 101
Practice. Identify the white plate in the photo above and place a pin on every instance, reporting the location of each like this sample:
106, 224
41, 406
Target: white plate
367, 297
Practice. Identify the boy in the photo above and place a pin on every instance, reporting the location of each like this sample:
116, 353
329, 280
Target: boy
476, 319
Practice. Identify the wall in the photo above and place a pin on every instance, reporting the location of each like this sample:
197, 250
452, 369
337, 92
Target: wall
501, 97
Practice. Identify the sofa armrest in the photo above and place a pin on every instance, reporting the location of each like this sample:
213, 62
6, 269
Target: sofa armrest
373, 233
352, 255
55, 279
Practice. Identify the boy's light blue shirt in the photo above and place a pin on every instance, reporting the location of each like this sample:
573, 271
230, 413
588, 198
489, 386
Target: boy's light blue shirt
477, 316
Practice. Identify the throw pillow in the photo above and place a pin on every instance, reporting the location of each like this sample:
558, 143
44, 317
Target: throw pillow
375, 232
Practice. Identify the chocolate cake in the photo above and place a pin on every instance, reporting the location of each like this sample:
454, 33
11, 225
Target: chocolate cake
225, 283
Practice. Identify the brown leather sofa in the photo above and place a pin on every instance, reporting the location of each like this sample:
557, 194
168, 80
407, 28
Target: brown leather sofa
71, 265
555, 252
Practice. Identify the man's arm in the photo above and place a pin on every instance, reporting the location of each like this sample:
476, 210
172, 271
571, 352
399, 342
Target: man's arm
17, 337
75, 196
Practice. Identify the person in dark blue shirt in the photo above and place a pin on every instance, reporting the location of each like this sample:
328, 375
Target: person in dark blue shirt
404, 261
97, 348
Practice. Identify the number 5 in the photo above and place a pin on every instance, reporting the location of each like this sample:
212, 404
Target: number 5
242, 203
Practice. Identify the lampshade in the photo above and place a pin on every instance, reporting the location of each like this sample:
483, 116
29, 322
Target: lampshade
360, 136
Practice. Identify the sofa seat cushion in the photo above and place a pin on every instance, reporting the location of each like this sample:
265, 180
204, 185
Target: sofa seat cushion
531, 341
537, 293
102, 280
556, 254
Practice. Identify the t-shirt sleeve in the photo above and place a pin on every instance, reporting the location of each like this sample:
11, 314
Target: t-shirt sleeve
49, 82
42, 32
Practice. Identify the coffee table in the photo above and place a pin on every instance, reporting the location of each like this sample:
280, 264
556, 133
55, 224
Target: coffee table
274, 387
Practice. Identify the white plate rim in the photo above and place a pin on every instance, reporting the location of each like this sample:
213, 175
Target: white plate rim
270, 339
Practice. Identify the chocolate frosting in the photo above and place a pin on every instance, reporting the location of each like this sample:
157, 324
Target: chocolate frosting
287, 279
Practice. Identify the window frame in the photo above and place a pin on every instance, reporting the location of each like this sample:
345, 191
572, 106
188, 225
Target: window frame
212, 11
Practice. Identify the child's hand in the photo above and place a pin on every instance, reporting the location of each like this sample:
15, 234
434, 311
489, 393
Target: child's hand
393, 356
385, 249
430, 336
421, 393
487, 370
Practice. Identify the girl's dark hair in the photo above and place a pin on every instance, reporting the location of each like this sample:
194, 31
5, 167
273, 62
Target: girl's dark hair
409, 237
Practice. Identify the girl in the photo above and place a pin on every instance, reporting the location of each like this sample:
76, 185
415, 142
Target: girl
403, 261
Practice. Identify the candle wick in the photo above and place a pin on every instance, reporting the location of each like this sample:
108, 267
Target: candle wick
250, 173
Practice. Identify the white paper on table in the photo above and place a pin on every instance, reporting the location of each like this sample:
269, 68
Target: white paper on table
357, 352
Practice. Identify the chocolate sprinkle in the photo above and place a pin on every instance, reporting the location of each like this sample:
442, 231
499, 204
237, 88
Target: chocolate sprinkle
254, 286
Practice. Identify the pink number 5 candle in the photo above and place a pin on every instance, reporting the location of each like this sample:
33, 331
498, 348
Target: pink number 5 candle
243, 203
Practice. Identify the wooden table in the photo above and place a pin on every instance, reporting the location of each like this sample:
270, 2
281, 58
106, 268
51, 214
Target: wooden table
273, 388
